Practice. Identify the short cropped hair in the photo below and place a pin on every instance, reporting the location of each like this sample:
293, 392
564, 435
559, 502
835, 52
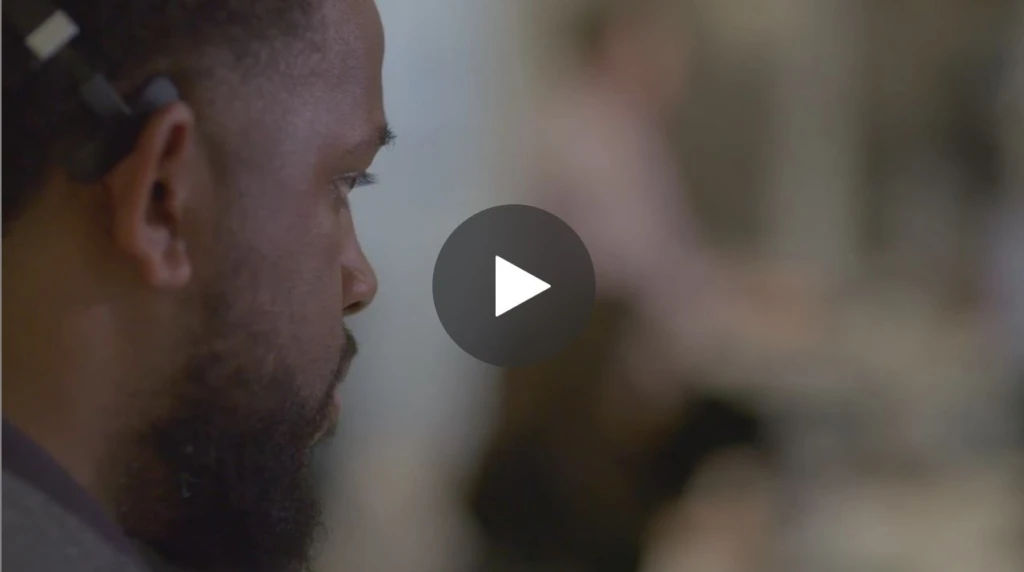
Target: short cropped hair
126, 40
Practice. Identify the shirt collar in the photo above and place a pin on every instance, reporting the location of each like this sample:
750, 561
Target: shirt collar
25, 459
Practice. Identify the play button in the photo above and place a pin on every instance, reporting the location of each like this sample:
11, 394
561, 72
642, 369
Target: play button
513, 285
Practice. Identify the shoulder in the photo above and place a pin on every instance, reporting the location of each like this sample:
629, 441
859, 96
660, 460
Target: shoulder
40, 535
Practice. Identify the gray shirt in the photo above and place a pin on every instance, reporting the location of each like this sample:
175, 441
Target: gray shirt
50, 523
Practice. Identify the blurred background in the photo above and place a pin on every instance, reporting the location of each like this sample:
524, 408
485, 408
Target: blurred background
806, 218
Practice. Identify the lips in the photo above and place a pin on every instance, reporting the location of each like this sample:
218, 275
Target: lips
330, 420
348, 353
333, 414
333, 407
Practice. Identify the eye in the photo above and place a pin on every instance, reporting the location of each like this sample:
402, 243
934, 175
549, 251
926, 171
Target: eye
345, 184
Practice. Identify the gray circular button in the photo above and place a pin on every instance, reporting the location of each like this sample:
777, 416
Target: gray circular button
513, 285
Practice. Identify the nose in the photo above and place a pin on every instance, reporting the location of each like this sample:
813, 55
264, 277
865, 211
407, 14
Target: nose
359, 279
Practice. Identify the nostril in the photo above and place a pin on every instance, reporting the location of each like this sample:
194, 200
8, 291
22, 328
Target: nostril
355, 307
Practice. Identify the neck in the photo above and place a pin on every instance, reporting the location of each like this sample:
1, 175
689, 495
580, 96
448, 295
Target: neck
60, 376
44, 395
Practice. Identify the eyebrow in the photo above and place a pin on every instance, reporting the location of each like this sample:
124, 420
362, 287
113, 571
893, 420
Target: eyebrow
373, 142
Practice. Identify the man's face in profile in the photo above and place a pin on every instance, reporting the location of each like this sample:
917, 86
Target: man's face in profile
219, 478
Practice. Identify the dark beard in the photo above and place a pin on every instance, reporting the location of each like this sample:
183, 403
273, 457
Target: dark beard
223, 482
246, 498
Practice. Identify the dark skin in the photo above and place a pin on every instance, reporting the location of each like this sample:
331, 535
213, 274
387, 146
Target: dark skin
200, 289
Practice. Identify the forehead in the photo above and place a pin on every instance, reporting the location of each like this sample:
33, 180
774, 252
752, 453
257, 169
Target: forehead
352, 39
350, 67
327, 96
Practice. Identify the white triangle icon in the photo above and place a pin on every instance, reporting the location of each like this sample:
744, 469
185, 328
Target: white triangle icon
513, 286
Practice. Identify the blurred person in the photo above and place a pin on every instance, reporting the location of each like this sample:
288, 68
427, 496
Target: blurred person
174, 325
1006, 263
580, 478
592, 447
605, 164
603, 160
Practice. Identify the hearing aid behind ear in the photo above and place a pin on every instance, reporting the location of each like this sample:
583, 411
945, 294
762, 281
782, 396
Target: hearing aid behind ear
106, 148
48, 33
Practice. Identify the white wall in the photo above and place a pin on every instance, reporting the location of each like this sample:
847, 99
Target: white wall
414, 401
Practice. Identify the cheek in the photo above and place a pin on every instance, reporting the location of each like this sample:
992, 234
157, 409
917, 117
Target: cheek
316, 288
296, 280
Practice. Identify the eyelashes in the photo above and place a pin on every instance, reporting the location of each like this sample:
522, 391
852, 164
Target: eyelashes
343, 185
364, 180
347, 183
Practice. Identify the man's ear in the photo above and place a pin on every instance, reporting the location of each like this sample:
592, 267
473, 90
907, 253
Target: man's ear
150, 192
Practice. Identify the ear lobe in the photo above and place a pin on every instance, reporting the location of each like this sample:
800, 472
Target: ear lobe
151, 191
